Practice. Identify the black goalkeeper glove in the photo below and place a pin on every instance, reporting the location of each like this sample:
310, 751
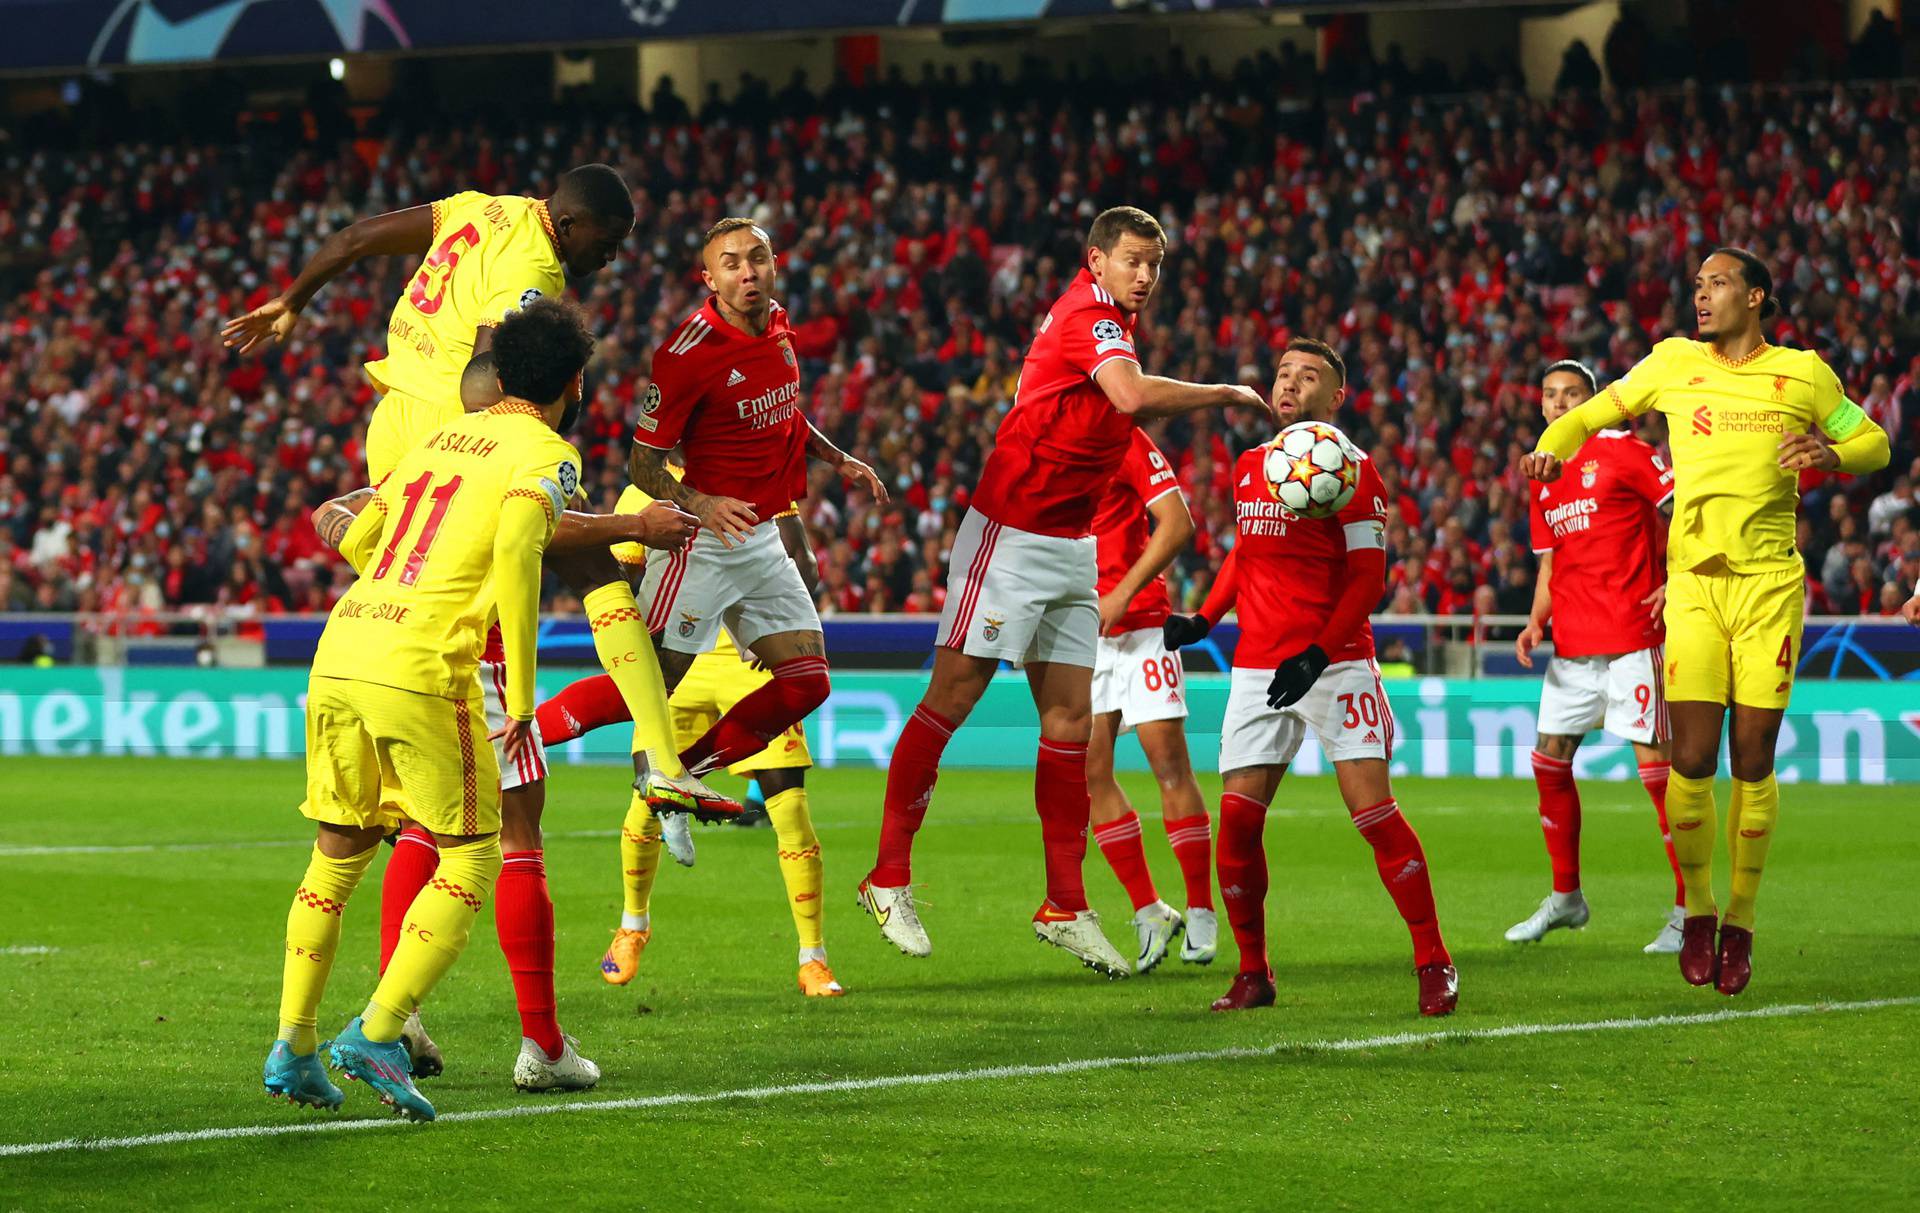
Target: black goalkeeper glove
1296, 676
1182, 630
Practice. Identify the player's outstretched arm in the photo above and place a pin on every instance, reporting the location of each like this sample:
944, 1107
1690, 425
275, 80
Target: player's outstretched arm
1144, 396
405, 232
1172, 530
518, 544
660, 525
1568, 434
727, 517
820, 447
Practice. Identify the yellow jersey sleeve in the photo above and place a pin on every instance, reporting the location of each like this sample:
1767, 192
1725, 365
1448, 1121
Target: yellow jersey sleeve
518, 544
363, 537
1639, 389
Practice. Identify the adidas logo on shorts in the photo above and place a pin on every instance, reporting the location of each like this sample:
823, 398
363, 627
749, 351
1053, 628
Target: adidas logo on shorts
735, 378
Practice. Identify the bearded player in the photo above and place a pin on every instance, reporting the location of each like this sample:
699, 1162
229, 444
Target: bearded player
1303, 588
1602, 587
1740, 418
1022, 574
1139, 687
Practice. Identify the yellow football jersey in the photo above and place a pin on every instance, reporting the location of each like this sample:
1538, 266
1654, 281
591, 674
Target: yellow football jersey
1733, 503
459, 526
489, 256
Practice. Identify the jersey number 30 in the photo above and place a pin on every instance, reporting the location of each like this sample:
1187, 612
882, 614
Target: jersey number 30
429, 288
413, 494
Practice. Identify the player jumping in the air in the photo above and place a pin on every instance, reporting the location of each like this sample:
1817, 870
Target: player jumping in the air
483, 257
1139, 686
1740, 414
1599, 537
1304, 588
1020, 582
455, 534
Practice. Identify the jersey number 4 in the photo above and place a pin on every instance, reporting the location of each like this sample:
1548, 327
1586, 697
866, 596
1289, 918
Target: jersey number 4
429, 288
413, 495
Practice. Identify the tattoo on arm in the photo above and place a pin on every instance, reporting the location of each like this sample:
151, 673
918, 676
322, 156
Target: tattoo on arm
820, 447
647, 468
335, 528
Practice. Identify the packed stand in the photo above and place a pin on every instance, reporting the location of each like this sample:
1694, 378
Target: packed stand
1450, 247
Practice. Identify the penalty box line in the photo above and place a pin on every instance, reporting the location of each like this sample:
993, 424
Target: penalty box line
943, 1077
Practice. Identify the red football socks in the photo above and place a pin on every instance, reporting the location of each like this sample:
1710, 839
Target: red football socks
581, 708
1192, 839
1060, 796
1559, 818
1120, 842
1243, 877
1654, 776
523, 917
911, 773
414, 860
1403, 870
798, 686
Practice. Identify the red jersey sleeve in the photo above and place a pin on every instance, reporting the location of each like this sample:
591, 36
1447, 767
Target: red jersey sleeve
1147, 471
1649, 474
1095, 334
678, 384
1364, 521
1539, 534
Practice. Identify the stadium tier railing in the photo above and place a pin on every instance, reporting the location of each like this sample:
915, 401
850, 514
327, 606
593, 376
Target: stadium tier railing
1867, 647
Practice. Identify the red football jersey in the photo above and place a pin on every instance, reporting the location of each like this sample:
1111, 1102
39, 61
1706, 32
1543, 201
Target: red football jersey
732, 401
1292, 570
1063, 441
1598, 521
1121, 531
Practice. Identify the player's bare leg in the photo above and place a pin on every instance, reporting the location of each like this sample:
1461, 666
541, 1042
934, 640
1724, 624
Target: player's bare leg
1116, 830
886, 895
1694, 820
523, 919
1566, 906
1184, 813
1402, 864
1063, 693
1654, 761
1242, 858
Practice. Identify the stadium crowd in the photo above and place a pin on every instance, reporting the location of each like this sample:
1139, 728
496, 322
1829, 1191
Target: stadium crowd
1451, 246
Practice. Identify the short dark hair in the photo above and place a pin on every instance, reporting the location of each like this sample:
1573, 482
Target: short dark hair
598, 191
1575, 367
1754, 273
540, 348
1320, 349
1119, 221
730, 225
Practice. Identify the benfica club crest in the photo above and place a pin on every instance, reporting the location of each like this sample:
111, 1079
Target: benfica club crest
1589, 472
786, 351
686, 623
991, 632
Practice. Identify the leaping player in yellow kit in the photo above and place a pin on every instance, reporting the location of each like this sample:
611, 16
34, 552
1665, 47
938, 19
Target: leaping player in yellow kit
453, 536
1740, 414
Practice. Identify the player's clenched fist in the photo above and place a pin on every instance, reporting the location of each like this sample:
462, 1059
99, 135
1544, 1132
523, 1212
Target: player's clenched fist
1182, 630
1540, 465
664, 526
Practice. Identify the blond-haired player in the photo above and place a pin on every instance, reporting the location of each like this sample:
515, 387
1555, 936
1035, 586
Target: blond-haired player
453, 536
1740, 416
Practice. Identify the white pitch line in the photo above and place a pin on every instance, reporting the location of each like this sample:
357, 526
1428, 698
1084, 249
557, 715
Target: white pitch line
27, 949
942, 1077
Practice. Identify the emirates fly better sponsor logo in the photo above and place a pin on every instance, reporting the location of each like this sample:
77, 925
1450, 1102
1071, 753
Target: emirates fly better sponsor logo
770, 407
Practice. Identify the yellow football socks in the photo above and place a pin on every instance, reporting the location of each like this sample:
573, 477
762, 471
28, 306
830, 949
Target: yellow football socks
437, 925
639, 858
1693, 819
1756, 807
626, 653
799, 861
313, 937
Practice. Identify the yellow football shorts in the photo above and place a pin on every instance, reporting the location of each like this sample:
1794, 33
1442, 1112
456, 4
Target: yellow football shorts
1734, 637
361, 735
400, 423
714, 683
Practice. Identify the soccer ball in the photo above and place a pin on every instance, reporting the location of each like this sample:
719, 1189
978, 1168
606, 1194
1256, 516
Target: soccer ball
1312, 469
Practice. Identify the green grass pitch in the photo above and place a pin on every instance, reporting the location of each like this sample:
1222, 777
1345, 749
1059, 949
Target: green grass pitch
139, 990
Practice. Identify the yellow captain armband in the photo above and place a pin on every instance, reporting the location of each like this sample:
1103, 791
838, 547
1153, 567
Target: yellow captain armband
1840, 424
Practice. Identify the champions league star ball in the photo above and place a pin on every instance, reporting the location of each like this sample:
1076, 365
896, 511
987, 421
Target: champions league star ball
1312, 469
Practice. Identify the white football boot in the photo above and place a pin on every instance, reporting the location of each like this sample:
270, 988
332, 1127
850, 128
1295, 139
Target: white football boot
1155, 927
1201, 938
676, 834
1667, 942
1556, 910
892, 910
568, 1072
421, 1051
1080, 934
